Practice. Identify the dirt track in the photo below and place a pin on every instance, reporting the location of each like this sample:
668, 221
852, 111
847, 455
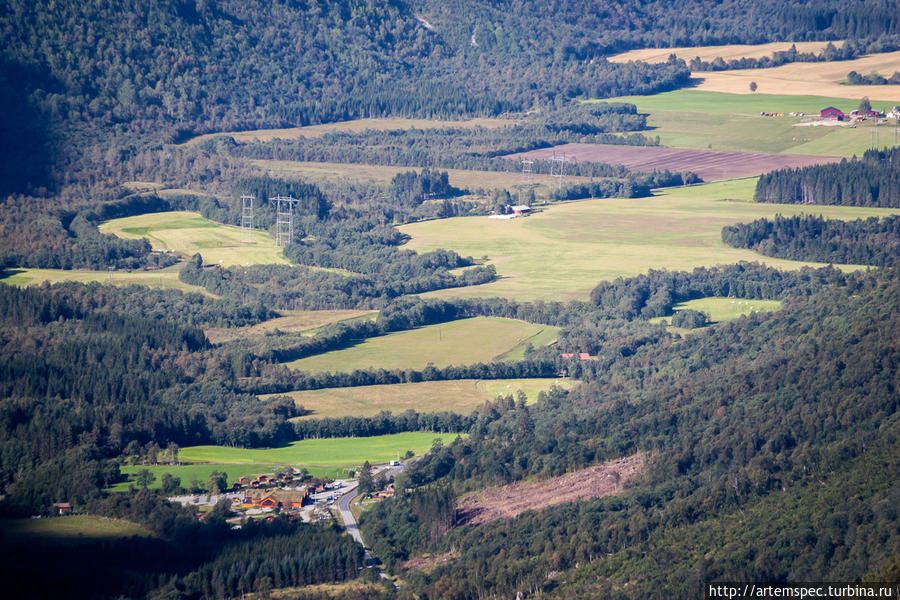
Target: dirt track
708, 164
510, 500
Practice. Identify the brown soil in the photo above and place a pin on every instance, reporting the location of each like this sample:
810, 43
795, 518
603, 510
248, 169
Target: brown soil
510, 500
708, 164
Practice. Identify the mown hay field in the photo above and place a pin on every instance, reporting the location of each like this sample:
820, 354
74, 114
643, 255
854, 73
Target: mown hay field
710, 53
565, 250
353, 126
460, 396
461, 342
820, 78
189, 233
728, 309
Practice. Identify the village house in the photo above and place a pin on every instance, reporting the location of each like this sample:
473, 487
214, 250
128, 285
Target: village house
832, 113
62, 508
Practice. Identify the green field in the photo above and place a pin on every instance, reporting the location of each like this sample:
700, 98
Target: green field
461, 396
564, 251
725, 309
189, 233
164, 278
441, 345
70, 529
331, 452
731, 122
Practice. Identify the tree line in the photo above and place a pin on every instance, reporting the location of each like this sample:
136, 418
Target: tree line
871, 241
873, 180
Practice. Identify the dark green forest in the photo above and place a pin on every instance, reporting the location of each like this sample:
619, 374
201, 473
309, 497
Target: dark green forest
872, 241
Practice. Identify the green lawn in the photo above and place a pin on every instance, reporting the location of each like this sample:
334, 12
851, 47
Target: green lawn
564, 251
334, 452
461, 396
189, 233
442, 345
732, 122
72, 528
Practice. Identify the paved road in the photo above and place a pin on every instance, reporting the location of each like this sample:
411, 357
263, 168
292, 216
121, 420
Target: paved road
343, 506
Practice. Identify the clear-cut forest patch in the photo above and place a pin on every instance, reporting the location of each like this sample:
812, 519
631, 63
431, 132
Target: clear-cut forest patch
510, 500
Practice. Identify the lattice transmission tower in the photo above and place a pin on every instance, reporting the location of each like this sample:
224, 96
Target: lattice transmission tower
284, 220
247, 218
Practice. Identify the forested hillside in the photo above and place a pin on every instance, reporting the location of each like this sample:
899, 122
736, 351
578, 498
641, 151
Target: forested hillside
773, 444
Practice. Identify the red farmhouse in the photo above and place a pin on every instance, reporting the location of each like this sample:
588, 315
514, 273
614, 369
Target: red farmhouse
832, 113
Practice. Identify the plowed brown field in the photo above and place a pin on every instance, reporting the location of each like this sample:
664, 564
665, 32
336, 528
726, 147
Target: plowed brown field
708, 164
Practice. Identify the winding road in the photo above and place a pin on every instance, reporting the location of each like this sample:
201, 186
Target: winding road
350, 524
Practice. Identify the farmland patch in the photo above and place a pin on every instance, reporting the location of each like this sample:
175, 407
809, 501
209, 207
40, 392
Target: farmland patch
710, 165
189, 233
461, 396
294, 320
441, 345
565, 250
710, 53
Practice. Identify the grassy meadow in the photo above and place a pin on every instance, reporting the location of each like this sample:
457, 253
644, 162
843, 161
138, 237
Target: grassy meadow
330, 452
353, 126
442, 345
70, 529
564, 251
461, 396
164, 278
188, 232
290, 321
732, 122
728, 309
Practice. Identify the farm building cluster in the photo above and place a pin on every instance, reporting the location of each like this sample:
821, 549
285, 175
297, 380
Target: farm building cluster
836, 114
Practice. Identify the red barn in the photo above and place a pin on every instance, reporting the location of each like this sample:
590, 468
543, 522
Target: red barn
832, 113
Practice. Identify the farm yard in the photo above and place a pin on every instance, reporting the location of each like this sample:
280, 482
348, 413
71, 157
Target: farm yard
441, 345
461, 396
709, 165
565, 250
731, 122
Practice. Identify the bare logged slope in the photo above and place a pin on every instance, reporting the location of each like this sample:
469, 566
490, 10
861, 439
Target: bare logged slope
709, 165
510, 500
